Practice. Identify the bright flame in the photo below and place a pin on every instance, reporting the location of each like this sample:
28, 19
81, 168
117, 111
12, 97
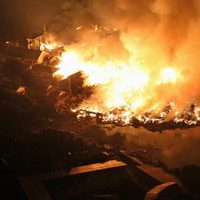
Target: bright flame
169, 75
49, 46
123, 88
69, 65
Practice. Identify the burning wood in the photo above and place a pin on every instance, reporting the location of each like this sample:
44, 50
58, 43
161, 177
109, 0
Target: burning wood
187, 119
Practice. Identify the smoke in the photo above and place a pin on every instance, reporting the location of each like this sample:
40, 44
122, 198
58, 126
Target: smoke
174, 148
142, 20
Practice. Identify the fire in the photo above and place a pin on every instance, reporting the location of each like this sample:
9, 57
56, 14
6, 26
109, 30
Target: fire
138, 65
49, 46
69, 65
126, 90
169, 75
127, 77
121, 85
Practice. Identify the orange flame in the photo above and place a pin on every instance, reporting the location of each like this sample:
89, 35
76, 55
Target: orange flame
120, 85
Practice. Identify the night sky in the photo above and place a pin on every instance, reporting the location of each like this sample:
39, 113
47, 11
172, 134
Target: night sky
19, 18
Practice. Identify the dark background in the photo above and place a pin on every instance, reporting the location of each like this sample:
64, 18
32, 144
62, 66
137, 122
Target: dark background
19, 18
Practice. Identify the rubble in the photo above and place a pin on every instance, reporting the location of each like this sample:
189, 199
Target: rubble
109, 179
166, 191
